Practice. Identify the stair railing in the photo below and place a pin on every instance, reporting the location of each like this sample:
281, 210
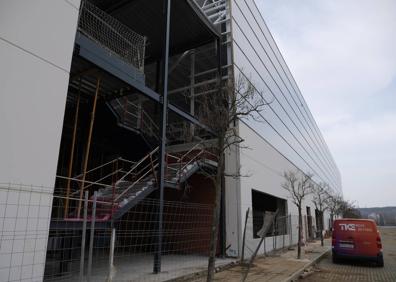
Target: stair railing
140, 170
107, 176
144, 175
112, 169
148, 125
133, 119
197, 156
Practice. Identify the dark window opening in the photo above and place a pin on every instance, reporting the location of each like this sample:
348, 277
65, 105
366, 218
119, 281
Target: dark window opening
310, 223
319, 219
262, 202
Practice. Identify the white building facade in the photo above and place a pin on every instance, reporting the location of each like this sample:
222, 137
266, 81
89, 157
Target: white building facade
286, 139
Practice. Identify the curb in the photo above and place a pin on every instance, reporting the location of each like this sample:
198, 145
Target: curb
296, 274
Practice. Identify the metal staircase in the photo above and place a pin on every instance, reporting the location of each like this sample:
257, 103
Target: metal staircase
131, 115
132, 186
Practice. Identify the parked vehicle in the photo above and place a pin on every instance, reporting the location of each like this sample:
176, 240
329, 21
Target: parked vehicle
356, 239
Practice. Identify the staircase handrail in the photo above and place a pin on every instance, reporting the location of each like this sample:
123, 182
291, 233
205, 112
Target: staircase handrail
150, 119
134, 183
96, 168
173, 157
125, 160
101, 179
195, 157
139, 163
86, 181
191, 150
149, 126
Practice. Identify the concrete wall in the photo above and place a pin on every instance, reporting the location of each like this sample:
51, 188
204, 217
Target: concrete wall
263, 167
36, 45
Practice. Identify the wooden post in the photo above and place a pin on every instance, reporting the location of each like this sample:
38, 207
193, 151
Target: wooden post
70, 170
88, 144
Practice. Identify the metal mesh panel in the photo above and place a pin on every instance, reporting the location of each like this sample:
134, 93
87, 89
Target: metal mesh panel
130, 257
112, 34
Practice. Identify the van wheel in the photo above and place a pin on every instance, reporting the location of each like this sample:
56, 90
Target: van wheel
380, 261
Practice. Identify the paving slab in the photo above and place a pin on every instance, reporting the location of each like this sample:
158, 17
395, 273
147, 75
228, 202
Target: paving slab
348, 270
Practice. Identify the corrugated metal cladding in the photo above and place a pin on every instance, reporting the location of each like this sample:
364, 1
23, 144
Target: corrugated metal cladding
289, 125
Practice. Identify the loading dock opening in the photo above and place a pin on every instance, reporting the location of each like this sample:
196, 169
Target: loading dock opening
262, 202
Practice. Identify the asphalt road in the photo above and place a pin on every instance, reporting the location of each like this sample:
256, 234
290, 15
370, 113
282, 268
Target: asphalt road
359, 271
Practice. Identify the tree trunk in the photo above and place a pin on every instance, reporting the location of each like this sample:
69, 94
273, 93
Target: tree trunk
299, 232
216, 211
321, 229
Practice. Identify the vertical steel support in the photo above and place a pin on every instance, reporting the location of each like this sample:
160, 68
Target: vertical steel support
157, 256
84, 234
88, 144
91, 237
70, 169
192, 92
284, 231
265, 247
274, 232
111, 255
244, 235
291, 230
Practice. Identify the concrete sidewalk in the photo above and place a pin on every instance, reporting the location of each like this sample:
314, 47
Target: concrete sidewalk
281, 265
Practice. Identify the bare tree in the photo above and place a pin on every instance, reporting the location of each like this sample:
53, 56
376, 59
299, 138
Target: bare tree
340, 207
350, 210
220, 111
320, 196
334, 202
298, 187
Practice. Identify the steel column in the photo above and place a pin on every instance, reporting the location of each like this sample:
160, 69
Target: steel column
192, 92
84, 232
111, 255
157, 257
92, 237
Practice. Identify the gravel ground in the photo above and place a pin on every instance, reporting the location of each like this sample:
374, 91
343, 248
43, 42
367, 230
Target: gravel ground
359, 271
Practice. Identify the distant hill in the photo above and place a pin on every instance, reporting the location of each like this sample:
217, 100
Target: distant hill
385, 216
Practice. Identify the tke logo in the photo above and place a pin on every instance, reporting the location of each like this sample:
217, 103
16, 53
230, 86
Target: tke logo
347, 227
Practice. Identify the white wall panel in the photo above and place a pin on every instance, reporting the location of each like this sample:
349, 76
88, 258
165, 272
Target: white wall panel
265, 166
258, 58
45, 28
36, 45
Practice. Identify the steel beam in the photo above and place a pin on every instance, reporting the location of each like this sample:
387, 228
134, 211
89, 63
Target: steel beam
94, 53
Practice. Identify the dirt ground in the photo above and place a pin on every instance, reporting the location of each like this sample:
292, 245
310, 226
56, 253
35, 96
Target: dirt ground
277, 267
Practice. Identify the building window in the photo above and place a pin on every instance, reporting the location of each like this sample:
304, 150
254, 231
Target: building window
261, 203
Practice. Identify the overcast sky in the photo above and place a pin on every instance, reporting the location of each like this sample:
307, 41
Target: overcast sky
342, 54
